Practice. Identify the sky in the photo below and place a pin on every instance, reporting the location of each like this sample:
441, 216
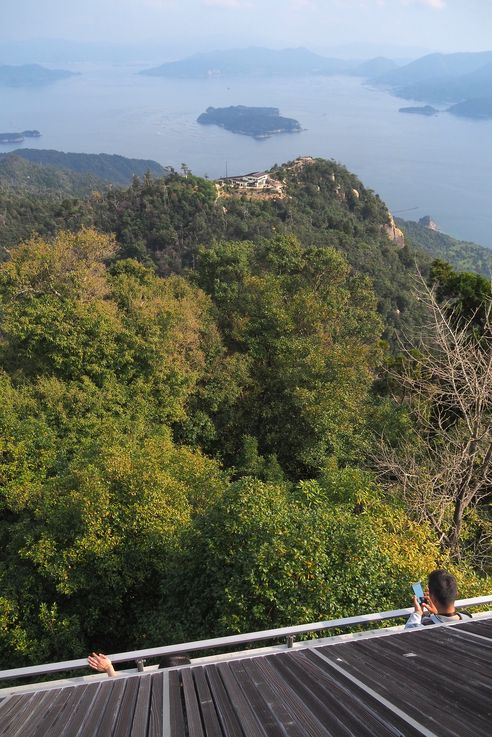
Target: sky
440, 25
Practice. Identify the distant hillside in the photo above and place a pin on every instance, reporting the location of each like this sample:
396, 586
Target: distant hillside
479, 109
257, 62
436, 66
108, 167
462, 255
374, 67
476, 84
24, 175
443, 77
30, 75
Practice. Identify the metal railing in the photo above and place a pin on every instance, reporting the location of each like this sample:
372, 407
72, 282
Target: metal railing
286, 633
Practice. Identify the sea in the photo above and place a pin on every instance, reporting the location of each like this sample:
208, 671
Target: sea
439, 166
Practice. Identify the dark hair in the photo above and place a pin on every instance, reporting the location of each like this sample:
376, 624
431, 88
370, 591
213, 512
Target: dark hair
168, 661
442, 587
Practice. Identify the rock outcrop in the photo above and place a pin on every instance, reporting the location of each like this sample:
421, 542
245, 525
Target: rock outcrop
427, 222
394, 233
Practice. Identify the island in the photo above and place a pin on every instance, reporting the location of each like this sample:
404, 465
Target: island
258, 122
18, 137
423, 110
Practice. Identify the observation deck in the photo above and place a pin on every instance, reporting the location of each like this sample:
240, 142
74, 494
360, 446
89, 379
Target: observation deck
433, 682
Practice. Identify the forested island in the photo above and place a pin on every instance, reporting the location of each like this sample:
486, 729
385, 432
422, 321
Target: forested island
424, 110
258, 122
206, 407
18, 137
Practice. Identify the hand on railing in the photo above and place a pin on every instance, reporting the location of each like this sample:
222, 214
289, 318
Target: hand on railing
101, 663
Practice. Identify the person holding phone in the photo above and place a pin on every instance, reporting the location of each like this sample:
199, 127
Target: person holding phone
436, 605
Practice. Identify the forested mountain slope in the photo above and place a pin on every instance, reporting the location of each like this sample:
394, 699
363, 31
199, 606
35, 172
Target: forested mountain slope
164, 221
192, 403
463, 255
21, 174
109, 167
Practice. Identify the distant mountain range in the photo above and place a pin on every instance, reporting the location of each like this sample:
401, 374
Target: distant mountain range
30, 75
100, 168
445, 78
261, 62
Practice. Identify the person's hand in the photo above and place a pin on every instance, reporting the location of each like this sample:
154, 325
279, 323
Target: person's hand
429, 604
101, 663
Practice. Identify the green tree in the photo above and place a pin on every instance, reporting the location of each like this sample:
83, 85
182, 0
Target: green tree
269, 555
97, 360
308, 328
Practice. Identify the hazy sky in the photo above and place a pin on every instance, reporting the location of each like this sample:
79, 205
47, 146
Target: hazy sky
434, 24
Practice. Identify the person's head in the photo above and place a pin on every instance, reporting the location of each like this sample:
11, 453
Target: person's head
168, 661
442, 588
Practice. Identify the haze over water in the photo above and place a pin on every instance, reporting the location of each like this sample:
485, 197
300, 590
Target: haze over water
438, 166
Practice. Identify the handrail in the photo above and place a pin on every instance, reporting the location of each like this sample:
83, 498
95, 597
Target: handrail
218, 642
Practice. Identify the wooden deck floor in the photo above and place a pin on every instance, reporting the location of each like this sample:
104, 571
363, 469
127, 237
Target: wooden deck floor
434, 682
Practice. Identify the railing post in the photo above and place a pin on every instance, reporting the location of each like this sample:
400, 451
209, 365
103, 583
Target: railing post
140, 664
290, 641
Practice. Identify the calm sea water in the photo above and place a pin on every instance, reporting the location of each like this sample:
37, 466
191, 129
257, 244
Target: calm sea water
439, 166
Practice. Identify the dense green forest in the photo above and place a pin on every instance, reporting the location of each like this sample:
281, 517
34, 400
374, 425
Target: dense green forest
463, 255
106, 167
198, 396
164, 221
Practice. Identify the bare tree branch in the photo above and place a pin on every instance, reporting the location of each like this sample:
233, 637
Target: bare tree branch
445, 382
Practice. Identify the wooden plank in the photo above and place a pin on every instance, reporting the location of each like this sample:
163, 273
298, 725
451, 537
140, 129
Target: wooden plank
14, 707
8, 707
223, 706
210, 719
338, 706
279, 706
126, 711
23, 717
108, 702
481, 627
48, 714
193, 715
303, 715
63, 713
424, 682
75, 712
91, 720
258, 704
155, 728
247, 718
430, 658
176, 707
142, 707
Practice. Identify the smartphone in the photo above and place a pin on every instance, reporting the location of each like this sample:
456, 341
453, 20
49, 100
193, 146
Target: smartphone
418, 591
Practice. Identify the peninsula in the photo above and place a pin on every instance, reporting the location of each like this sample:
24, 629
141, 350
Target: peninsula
479, 108
30, 75
257, 122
